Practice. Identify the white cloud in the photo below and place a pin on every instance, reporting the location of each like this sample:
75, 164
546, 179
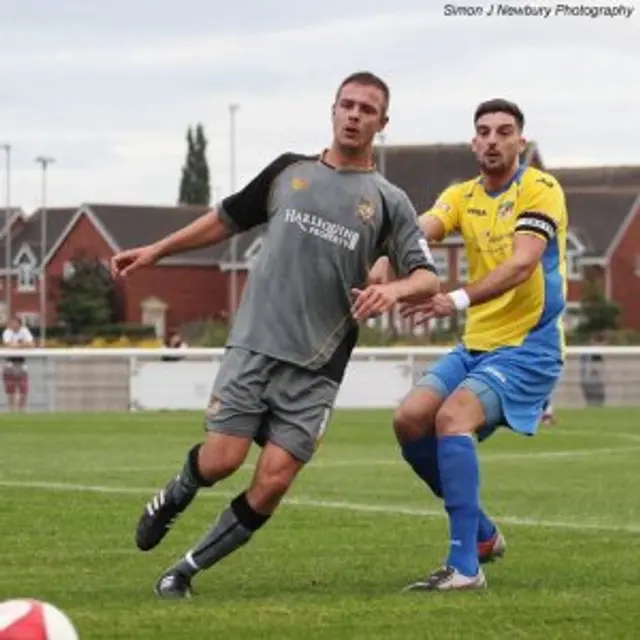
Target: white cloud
222, 50
113, 105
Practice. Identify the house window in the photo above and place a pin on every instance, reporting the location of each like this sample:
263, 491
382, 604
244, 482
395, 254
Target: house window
463, 267
441, 262
25, 264
68, 270
27, 277
574, 270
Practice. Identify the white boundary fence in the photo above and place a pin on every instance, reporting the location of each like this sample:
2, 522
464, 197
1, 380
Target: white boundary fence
79, 379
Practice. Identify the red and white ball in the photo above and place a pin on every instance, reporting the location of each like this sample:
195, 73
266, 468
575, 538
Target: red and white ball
34, 620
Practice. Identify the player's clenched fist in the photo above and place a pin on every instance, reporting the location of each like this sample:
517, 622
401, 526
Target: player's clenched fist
125, 262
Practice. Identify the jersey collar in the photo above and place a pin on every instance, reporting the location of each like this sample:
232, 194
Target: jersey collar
346, 168
505, 187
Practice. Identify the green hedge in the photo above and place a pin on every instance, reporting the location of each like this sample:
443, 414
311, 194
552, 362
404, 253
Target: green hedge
108, 331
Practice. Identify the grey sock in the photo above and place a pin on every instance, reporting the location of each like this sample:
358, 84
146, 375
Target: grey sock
184, 487
233, 529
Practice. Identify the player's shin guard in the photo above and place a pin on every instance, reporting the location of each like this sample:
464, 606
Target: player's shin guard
233, 529
459, 475
185, 486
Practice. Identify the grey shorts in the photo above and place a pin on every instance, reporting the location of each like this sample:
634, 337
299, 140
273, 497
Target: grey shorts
258, 397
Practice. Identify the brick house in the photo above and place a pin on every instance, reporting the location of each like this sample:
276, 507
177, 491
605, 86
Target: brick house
25, 256
604, 215
604, 242
191, 286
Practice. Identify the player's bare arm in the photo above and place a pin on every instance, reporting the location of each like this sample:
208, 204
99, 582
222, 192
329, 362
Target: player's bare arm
239, 212
207, 230
432, 227
527, 253
381, 272
420, 285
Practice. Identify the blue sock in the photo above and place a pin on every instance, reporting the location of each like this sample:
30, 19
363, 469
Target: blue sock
422, 456
459, 475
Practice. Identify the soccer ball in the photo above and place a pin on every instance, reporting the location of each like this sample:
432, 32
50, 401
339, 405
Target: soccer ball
34, 620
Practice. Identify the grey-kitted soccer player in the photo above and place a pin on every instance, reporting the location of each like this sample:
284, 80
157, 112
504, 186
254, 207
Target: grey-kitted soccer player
328, 218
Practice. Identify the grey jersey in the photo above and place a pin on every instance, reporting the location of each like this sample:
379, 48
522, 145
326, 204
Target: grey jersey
325, 227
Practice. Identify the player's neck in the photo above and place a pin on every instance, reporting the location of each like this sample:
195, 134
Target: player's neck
338, 159
496, 182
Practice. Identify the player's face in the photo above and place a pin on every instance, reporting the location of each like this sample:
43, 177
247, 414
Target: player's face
358, 114
498, 142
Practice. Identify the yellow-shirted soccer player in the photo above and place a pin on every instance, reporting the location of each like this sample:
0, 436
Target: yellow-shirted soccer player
513, 221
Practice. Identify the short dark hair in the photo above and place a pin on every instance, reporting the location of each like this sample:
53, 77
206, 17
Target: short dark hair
369, 79
499, 105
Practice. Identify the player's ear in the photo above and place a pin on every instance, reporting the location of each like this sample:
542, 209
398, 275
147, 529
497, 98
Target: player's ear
474, 146
522, 145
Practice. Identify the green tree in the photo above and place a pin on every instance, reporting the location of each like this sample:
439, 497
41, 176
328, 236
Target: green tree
194, 184
87, 298
597, 313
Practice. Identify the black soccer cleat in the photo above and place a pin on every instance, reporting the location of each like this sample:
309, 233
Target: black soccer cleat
157, 518
173, 585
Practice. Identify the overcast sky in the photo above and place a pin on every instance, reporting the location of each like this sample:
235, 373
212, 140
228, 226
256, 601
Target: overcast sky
109, 88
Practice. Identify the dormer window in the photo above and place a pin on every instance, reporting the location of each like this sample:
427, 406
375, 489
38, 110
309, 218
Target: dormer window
26, 265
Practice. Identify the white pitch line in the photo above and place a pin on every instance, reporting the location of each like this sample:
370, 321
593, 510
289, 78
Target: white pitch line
364, 462
355, 507
603, 433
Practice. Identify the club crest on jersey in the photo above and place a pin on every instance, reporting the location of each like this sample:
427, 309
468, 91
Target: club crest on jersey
366, 210
505, 209
299, 184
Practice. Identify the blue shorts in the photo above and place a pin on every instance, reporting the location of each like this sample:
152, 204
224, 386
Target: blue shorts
512, 383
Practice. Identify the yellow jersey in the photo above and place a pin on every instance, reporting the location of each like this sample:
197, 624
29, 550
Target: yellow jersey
533, 202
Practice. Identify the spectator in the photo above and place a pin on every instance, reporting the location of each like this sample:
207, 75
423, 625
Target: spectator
15, 373
592, 375
174, 341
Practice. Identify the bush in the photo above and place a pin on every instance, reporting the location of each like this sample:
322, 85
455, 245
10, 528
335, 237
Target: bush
214, 334
126, 334
131, 331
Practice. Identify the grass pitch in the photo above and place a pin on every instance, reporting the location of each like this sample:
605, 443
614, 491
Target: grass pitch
357, 528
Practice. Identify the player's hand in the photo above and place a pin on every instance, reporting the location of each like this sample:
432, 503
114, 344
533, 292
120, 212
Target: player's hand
125, 262
440, 306
372, 301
